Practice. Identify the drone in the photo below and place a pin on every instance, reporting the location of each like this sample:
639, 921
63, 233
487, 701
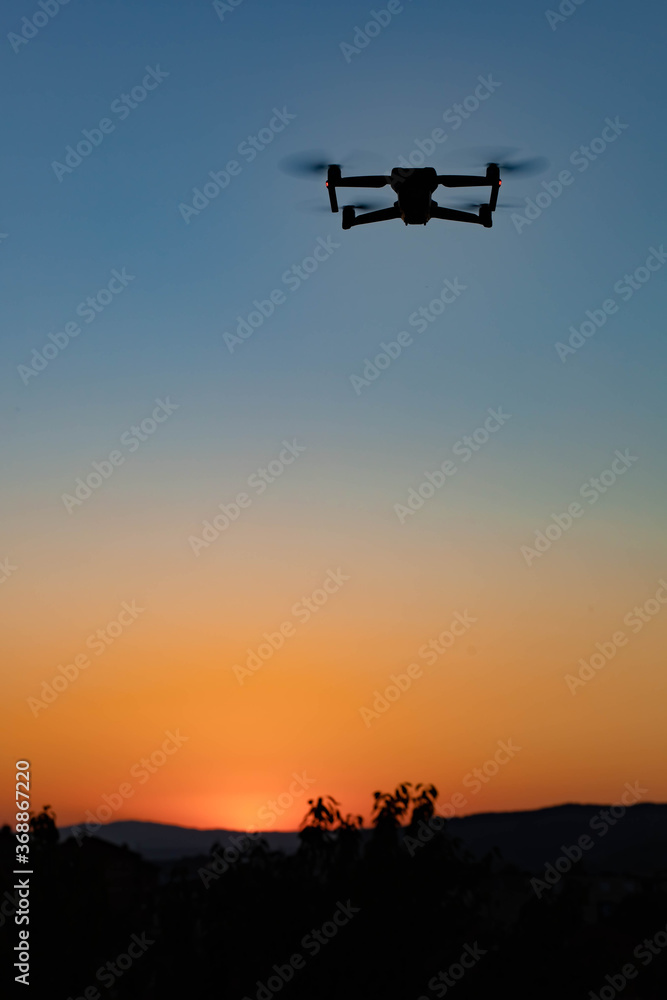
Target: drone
414, 188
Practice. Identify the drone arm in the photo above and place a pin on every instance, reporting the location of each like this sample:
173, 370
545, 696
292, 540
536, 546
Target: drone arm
454, 215
365, 180
491, 179
463, 180
335, 180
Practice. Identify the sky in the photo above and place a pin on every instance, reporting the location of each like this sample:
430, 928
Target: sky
231, 553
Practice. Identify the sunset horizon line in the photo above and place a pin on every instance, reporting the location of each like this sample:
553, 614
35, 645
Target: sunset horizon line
295, 829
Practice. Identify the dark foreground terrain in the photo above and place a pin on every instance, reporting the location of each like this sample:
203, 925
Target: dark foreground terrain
574, 903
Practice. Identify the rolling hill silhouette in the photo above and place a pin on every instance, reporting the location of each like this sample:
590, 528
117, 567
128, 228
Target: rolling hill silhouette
528, 839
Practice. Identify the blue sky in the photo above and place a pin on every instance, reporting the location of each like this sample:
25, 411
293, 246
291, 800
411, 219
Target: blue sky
119, 208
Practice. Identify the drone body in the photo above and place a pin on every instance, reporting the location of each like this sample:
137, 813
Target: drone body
414, 190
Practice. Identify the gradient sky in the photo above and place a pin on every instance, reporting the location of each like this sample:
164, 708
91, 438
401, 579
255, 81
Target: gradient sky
333, 508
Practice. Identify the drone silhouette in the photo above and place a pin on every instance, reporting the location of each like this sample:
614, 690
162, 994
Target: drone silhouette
414, 188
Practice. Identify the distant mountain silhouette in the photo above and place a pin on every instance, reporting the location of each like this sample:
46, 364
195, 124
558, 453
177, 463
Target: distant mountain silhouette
636, 842
163, 842
529, 839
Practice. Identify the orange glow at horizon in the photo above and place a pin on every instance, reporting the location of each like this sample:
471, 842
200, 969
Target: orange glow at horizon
248, 732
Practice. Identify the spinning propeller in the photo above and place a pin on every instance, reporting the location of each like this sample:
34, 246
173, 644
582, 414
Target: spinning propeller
471, 206
504, 156
314, 163
363, 206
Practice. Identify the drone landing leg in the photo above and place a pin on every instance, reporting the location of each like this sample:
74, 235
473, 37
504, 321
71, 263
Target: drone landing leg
454, 215
383, 215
